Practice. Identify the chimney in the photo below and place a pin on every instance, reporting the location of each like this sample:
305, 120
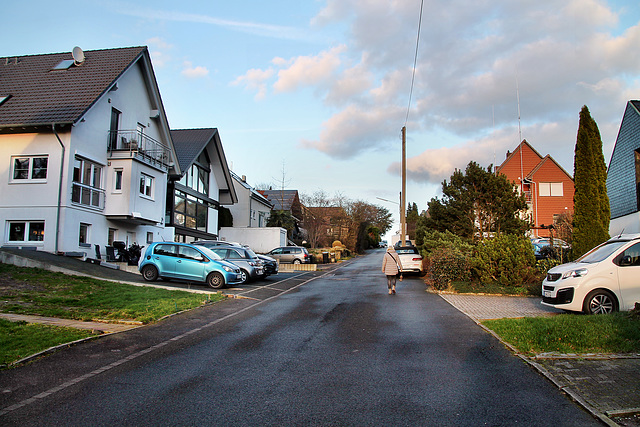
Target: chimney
244, 178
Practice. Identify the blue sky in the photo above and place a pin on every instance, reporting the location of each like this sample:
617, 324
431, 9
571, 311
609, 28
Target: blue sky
316, 92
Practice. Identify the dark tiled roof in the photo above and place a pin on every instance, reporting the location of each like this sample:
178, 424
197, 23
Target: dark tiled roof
282, 200
41, 96
189, 143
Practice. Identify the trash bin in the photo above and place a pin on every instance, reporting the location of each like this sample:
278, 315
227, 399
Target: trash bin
325, 257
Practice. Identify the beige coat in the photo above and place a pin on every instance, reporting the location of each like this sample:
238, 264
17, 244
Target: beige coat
390, 262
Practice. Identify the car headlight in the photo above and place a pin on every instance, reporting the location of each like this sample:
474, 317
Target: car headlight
228, 269
575, 273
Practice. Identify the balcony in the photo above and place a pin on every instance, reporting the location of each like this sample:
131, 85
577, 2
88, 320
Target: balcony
133, 144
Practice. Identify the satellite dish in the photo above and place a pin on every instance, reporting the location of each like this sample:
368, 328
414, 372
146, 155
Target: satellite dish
78, 55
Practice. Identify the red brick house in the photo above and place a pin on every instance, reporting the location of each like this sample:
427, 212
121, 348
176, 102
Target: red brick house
547, 187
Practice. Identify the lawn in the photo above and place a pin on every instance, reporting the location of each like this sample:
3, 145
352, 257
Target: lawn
571, 333
44, 293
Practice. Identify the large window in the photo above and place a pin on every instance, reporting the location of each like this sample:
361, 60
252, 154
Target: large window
190, 211
554, 189
29, 168
87, 183
196, 178
26, 231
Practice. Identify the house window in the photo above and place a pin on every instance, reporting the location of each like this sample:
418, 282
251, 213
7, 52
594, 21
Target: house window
112, 236
83, 239
553, 189
190, 211
26, 231
87, 184
117, 180
29, 168
196, 178
146, 185
113, 129
149, 237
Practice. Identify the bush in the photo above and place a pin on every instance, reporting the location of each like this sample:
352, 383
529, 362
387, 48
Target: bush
448, 265
544, 265
505, 259
430, 240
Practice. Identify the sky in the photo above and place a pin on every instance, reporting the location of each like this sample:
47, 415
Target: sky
313, 94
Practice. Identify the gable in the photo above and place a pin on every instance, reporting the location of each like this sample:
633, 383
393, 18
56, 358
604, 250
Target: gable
520, 163
621, 174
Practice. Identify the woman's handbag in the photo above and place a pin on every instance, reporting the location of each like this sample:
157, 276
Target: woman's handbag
398, 267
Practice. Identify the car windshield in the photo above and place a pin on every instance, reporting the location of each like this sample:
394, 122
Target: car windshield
601, 252
250, 254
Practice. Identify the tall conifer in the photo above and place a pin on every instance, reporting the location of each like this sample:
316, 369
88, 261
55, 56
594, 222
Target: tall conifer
590, 201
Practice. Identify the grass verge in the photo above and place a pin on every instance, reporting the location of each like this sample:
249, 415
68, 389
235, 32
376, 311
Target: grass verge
41, 292
570, 333
21, 339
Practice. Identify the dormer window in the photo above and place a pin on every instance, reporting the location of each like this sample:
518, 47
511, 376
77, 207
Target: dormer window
3, 98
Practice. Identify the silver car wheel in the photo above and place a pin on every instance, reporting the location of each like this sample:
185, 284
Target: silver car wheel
600, 302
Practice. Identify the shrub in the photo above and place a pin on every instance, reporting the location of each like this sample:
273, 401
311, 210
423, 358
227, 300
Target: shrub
430, 240
544, 265
448, 265
505, 259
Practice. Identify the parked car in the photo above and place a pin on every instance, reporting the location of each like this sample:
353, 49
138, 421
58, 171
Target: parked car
249, 263
183, 261
603, 280
290, 254
556, 242
544, 251
410, 259
269, 265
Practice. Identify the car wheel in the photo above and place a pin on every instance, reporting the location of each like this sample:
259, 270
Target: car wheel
215, 280
244, 276
150, 273
600, 302
296, 261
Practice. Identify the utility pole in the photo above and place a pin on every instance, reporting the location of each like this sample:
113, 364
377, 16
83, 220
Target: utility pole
403, 194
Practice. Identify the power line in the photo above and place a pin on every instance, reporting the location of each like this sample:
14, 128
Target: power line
415, 61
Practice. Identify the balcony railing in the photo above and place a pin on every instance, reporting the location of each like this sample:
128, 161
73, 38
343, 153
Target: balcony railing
137, 144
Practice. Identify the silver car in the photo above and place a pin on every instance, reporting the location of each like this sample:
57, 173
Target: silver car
290, 255
250, 265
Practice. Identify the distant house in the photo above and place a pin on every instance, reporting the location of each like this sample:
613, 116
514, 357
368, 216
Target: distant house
253, 208
325, 225
206, 183
288, 201
547, 187
85, 150
623, 175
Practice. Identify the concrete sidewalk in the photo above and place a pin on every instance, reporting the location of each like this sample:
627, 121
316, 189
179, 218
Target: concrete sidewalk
607, 385
103, 327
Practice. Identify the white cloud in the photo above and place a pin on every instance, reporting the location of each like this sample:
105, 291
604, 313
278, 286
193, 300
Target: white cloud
255, 80
308, 70
159, 51
194, 72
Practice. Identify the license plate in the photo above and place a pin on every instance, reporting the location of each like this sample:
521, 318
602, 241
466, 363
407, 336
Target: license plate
259, 271
548, 294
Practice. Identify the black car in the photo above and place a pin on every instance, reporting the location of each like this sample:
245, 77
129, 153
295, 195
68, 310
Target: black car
270, 265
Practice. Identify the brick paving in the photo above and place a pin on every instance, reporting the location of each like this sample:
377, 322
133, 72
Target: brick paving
606, 385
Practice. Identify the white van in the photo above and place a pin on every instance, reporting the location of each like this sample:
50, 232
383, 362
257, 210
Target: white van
605, 279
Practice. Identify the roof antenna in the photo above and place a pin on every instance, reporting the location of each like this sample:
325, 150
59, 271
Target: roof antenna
620, 235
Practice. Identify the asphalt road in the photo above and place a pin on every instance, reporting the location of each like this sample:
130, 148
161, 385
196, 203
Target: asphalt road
328, 348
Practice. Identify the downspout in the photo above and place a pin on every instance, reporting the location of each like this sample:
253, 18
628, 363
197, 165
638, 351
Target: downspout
53, 127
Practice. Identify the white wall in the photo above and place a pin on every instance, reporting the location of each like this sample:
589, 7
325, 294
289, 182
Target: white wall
628, 224
261, 239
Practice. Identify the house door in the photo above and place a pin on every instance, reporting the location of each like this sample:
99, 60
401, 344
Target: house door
131, 238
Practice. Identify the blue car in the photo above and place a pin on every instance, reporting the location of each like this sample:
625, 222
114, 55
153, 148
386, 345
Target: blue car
170, 260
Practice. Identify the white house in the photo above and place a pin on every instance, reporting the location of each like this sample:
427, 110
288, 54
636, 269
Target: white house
195, 196
253, 209
86, 151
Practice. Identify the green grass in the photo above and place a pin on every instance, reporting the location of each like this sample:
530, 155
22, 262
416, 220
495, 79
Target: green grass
45, 293
570, 333
20, 339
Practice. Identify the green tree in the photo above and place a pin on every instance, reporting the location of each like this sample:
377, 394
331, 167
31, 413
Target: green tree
478, 203
282, 219
412, 220
591, 211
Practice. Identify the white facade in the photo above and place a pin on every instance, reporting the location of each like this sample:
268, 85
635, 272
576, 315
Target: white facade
252, 209
261, 240
92, 195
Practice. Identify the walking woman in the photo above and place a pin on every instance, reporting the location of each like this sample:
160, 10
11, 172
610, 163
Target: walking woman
391, 266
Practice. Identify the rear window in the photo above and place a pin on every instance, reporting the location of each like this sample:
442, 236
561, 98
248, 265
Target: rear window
401, 251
